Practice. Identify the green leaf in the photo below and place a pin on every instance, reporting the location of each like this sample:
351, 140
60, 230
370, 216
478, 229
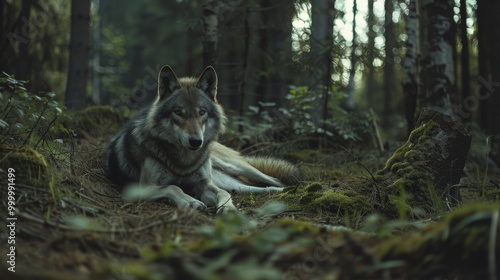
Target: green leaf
18, 126
19, 112
3, 124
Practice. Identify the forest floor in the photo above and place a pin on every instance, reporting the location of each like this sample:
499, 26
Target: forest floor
73, 224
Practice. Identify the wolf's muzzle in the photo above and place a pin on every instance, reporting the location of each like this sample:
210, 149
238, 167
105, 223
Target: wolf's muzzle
195, 143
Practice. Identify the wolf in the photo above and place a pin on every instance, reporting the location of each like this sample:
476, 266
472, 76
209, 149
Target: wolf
170, 149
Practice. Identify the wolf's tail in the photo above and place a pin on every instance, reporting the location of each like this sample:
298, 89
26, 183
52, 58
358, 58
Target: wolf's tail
286, 172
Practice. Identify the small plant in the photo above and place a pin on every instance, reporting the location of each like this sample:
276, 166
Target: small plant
298, 115
26, 116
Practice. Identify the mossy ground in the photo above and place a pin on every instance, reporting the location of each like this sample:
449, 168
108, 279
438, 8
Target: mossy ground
30, 165
343, 221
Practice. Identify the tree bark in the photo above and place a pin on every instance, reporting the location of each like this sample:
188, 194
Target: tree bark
24, 32
489, 71
464, 55
425, 170
210, 32
390, 44
321, 41
76, 88
350, 84
410, 64
276, 44
370, 85
437, 65
96, 57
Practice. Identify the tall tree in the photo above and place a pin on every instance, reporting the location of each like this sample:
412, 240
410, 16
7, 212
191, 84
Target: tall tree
390, 44
489, 70
24, 31
437, 65
370, 85
465, 54
276, 46
96, 55
321, 41
210, 32
76, 88
410, 64
350, 86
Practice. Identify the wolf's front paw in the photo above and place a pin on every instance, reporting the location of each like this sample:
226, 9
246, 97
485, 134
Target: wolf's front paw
226, 209
194, 203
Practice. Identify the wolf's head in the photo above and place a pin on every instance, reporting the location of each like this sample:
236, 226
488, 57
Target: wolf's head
185, 112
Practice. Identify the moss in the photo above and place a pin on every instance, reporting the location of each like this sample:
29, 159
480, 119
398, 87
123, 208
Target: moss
410, 163
335, 201
308, 198
460, 240
312, 198
28, 164
410, 151
314, 187
297, 226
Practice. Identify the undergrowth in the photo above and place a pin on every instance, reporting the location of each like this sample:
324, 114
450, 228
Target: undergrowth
300, 116
27, 118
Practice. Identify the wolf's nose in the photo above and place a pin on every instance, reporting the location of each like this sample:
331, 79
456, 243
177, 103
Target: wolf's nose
195, 142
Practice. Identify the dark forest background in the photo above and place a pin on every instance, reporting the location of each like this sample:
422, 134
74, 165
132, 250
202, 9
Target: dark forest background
319, 63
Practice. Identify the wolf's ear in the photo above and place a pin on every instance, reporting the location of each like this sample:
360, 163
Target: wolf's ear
167, 81
208, 82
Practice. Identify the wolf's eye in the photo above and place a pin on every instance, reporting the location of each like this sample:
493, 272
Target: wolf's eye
178, 112
202, 112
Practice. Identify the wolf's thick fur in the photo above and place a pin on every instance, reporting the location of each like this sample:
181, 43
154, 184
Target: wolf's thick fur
170, 149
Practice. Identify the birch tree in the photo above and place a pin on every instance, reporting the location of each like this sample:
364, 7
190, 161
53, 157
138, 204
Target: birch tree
410, 64
437, 68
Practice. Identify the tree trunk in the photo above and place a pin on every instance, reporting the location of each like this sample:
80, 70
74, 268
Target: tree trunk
370, 85
24, 32
437, 66
321, 41
424, 171
350, 85
76, 88
210, 32
96, 57
410, 64
390, 44
277, 28
489, 71
464, 55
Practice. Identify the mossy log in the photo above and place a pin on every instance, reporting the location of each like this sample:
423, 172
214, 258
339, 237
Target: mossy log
425, 169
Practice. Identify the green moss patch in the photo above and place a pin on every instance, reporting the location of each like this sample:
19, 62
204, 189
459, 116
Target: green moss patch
29, 165
461, 242
315, 198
